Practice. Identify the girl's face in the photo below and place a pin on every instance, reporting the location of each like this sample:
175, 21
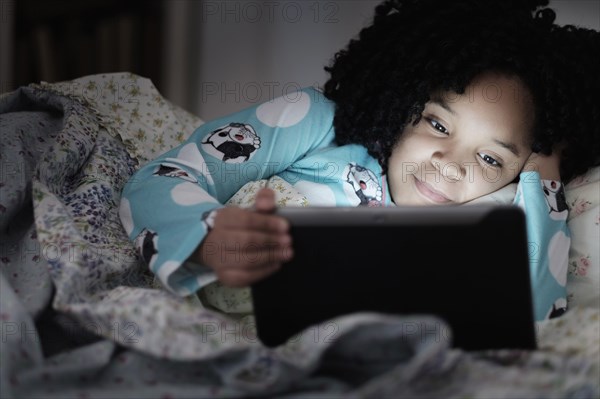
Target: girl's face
464, 146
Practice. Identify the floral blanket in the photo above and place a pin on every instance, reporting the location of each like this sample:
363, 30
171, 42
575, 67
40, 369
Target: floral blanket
80, 316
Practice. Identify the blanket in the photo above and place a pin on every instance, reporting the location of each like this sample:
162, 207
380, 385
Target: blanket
81, 316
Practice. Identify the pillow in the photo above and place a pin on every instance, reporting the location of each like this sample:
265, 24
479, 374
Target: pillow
583, 279
131, 107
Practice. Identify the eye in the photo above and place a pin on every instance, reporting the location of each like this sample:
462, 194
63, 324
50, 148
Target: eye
489, 160
437, 126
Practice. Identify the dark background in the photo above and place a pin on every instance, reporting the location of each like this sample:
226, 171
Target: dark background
65, 39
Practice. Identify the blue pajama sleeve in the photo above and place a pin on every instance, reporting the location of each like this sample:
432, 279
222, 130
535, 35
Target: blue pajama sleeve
548, 240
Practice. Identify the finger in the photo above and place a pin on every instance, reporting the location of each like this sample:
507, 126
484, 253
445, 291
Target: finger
233, 218
242, 278
265, 200
248, 241
257, 258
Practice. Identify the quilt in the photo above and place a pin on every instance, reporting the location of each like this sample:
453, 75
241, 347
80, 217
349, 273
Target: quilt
81, 316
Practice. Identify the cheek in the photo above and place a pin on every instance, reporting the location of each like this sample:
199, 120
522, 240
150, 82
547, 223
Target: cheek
400, 162
409, 155
411, 146
486, 181
492, 178
396, 171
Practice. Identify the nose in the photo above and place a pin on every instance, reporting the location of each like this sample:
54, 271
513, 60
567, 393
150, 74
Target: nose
448, 165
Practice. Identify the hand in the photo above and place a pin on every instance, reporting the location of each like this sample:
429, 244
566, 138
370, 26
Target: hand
548, 166
246, 245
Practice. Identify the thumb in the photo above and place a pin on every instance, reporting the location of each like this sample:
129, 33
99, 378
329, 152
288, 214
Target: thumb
265, 200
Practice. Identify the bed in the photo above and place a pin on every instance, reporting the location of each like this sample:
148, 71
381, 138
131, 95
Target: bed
81, 316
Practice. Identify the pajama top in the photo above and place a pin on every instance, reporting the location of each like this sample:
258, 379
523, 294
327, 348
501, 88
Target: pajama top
167, 205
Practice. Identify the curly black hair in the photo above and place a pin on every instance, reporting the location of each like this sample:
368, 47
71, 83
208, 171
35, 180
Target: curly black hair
381, 81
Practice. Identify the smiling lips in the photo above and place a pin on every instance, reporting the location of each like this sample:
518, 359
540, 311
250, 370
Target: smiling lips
429, 193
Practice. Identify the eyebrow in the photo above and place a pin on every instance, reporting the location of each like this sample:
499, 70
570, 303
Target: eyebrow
509, 146
439, 101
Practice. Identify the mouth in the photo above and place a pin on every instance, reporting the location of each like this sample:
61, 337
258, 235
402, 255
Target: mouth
239, 137
430, 194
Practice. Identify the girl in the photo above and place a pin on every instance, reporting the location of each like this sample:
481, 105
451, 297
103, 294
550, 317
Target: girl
435, 103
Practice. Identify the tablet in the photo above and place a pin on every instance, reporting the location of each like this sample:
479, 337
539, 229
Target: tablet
467, 265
